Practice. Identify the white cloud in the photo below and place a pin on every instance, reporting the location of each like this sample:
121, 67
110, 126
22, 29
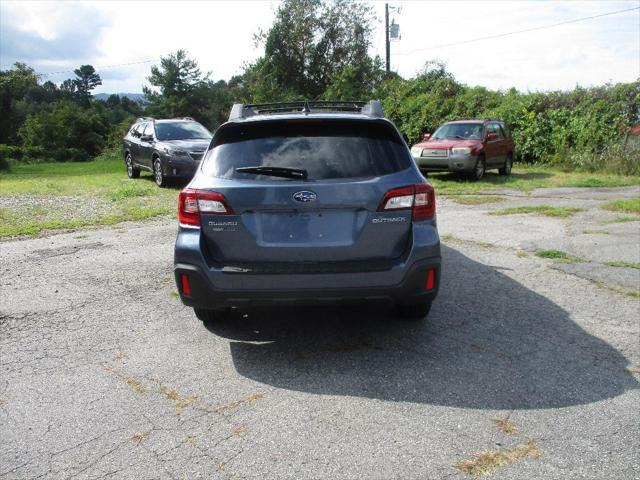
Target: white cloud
586, 53
219, 35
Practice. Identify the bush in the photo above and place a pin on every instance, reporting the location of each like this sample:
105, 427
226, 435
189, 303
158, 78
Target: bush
9, 154
545, 126
612, 159
64, 132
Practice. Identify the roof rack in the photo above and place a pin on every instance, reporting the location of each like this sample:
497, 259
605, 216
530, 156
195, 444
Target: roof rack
372, 108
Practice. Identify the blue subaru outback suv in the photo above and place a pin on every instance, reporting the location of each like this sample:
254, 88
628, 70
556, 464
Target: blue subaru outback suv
307, 202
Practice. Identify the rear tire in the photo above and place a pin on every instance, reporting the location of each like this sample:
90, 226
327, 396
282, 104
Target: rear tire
132, 172
211, 316
479, 170
158, 174
415, 311
506, 170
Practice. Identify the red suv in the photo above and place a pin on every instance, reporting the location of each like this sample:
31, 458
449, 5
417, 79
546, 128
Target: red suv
470, 146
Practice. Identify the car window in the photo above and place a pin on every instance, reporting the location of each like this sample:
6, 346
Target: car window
136, 131
148, 130
494, 128
505, 131
181, 131
472, 131
326, 150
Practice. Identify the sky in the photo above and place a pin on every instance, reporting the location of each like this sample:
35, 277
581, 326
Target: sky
55, 37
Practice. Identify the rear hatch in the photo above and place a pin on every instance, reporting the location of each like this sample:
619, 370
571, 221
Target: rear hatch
326, 222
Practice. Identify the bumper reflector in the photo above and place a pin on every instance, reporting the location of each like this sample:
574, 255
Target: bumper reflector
184, 283
430, 283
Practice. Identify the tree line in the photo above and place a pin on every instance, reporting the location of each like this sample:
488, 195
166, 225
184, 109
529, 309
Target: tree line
315, 49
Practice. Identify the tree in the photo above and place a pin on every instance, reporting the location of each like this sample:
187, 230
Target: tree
65, 131
181, 89
309, 46
176, 80
16, 85
86, 80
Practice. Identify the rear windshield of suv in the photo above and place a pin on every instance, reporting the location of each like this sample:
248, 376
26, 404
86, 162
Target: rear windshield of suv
325, 149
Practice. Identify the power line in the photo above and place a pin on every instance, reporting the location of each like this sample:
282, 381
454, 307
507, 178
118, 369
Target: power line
499, 35
48, 74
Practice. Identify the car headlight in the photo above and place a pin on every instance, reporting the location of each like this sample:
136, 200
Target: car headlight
416, 151
461, 150
176, 153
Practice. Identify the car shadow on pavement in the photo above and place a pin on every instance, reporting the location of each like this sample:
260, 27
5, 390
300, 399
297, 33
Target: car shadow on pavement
489, 343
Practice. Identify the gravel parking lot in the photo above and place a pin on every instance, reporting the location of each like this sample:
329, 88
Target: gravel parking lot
526, 368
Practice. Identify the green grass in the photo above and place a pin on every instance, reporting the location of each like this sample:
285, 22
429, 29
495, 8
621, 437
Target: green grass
624, 219
526, 179
545, 210
626, 205
77, 195
558, 255
476, 199
624, 264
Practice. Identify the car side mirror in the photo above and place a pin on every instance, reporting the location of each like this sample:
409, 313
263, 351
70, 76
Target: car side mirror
492, 136
146, 138
426, 136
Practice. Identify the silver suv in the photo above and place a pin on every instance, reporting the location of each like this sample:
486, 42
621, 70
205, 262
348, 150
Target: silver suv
170, 148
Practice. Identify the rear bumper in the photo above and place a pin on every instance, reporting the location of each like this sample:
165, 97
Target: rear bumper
405, 282
204, 294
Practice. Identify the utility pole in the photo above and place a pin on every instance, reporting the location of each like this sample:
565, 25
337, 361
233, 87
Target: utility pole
386, 35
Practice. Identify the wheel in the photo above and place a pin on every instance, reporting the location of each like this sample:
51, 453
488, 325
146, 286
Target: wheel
478, 172
210, 316
506, 170
415, 311
132, 172
158, 175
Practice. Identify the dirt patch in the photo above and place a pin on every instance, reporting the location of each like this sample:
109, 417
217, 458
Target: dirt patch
181, 402
486, 463
139, 437
135, 384
506, 425
250, 400
68, 250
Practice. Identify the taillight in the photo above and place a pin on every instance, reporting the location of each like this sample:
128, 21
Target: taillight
420, 198
192, 203
424, 204
431, 279
184, 283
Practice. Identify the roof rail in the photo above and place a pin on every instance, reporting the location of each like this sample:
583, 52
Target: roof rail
187, 118
144, 119
373, 108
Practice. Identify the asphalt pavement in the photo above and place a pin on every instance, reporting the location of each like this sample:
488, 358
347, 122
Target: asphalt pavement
524, 369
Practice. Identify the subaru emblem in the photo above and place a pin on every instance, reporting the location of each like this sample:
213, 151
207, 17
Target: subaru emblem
304, 196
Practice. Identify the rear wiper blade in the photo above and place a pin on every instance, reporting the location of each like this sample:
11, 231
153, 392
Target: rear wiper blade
285, 172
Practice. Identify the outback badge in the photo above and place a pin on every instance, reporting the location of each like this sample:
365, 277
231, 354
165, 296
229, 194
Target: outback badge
304, 196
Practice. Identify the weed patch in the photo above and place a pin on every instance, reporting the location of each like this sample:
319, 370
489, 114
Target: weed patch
476, 199
544, 210
486, 463
558, 255
623, 264
626, 205
181, 402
